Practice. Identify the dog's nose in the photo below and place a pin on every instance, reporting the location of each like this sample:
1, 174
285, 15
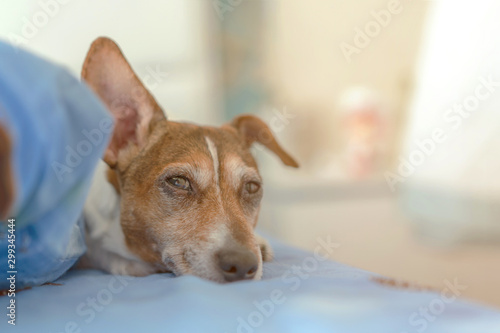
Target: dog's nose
237, 264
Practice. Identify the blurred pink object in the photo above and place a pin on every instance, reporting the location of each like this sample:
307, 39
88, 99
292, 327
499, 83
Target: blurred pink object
363, 124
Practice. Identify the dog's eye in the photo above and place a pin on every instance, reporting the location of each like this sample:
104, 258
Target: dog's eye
252, 187
179, 182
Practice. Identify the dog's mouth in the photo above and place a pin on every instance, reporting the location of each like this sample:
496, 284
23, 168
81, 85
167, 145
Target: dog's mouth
169, 266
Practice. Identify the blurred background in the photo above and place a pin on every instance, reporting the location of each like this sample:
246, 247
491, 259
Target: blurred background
390, 106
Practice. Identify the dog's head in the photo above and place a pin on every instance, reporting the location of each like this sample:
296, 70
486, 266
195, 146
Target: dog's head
190, 195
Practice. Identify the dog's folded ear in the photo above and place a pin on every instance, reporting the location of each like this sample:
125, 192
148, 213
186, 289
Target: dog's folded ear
6, 177
135, 110
252, 129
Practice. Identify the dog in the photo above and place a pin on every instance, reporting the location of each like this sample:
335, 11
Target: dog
171, 196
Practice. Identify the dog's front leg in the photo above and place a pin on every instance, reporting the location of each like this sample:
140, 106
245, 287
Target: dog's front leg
265, 249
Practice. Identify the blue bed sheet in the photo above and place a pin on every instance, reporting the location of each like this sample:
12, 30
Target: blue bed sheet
298, 293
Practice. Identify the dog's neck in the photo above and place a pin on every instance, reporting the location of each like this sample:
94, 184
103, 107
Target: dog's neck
102, 215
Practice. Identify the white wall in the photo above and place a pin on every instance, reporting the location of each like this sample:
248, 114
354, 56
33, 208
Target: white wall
174, 36
453, 190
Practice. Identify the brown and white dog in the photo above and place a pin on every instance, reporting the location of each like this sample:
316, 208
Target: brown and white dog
172, 196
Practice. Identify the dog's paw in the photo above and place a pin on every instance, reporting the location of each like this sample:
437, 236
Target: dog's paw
265, 249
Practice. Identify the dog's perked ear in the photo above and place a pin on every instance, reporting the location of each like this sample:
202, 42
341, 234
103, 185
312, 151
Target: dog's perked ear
252, 129
7, 194
135, 110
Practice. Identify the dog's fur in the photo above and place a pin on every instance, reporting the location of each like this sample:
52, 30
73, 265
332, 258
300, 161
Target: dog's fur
138, 222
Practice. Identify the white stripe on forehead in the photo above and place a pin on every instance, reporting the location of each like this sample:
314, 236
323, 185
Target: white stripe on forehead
213, 152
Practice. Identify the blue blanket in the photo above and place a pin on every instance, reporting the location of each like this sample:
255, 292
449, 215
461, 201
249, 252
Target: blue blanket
298, 293
59, 130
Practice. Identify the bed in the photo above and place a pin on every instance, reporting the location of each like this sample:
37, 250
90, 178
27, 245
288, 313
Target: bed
300, 292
